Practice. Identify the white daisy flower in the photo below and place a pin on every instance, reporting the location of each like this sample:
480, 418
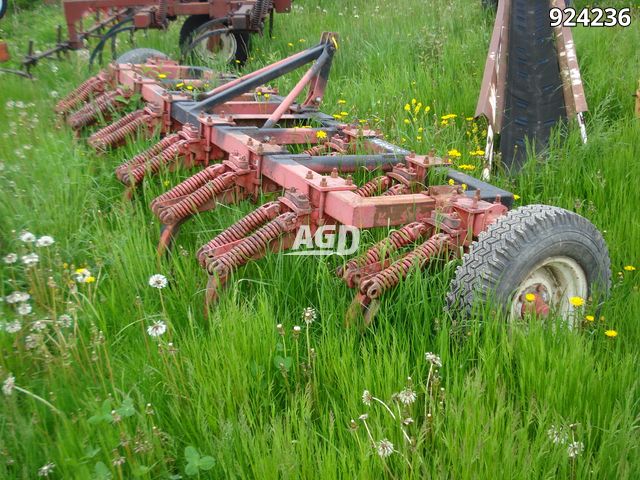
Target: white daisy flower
30, 259
45, 241
8, 385
13, 327
158, 281
24, 309
27, 237
158, 328
10, 258
384, 448
16, 297
38, 325
65, 321
557, 435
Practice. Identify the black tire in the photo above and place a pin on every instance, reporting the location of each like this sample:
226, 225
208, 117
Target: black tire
534, 99
490, 4
191, 25
139, 55
3, 7
504, 256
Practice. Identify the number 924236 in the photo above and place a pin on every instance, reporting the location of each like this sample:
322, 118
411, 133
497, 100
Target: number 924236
590, 17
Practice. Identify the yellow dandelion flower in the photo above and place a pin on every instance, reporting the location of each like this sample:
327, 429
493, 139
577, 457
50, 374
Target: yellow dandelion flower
238, 62
289, 44
342, 102
259, 93
417, 109
576, 301
90, 279
302, 40
179, 85
449, 116
444, 123
320, 134
189, 87
469, 119
611, 333
420, 130
451, 182
464, 187
407, 108
267, 96
454, 153
337, 116
363, 120
530, 297
344, 114
516, 196
162, 75
413, 101
407, 121
629, 268
589, 318
166, 183
419, 138
427, 109
466, 166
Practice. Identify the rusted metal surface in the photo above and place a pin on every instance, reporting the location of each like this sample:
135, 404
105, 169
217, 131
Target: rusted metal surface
243, 142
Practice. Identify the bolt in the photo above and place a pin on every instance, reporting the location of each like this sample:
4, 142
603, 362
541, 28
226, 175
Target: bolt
334, 173
412, 155
309, 175
260, 149
349, 180
293, 190
250, 142
323, 182
318, 99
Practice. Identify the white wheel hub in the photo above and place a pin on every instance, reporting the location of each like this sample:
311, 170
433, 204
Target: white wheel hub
550, 286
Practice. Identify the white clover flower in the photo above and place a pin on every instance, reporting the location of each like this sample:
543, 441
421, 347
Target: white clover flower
13, 327
27, 237
158, 281
38, 325
433, 359
45, 241
158, 328
16, 297
65, 320
8, 385
367, 397
10, 258
30, 259
574, 449
24, 309
557, 435
309, 315
46, 469
407, 396
384, 448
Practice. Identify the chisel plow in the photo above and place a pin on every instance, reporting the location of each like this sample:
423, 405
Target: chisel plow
243, 139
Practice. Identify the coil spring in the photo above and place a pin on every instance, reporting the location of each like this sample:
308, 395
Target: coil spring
148, 154
137, 173
240, 229
399, 189
396, 240
195, 200
189, 185
374, 186
118, 131
162, 12
258, 12
391, 276
250, 246
79, 95
89, 113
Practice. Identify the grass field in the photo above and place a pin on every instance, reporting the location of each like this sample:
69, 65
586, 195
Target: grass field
96, 396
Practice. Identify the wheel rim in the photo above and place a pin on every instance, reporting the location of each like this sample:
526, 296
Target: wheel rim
552, 282
218, 48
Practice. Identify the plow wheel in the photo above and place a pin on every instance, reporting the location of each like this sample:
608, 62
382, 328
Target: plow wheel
533, 261
228, 47
139, 55
3, 7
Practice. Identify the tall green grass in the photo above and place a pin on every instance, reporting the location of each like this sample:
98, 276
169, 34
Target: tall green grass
228, 383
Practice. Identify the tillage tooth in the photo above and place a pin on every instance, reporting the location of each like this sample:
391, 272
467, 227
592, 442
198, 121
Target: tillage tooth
373, 187
136, 174
82, 94
188, 186
190, 205
91, 111
239, 230
115, 133
147, 155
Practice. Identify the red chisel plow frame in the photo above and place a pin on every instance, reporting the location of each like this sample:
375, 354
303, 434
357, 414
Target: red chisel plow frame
245, 140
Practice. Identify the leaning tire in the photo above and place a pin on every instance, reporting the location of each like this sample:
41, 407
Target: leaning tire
140, 55
547, 251
3, 7
240, 40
